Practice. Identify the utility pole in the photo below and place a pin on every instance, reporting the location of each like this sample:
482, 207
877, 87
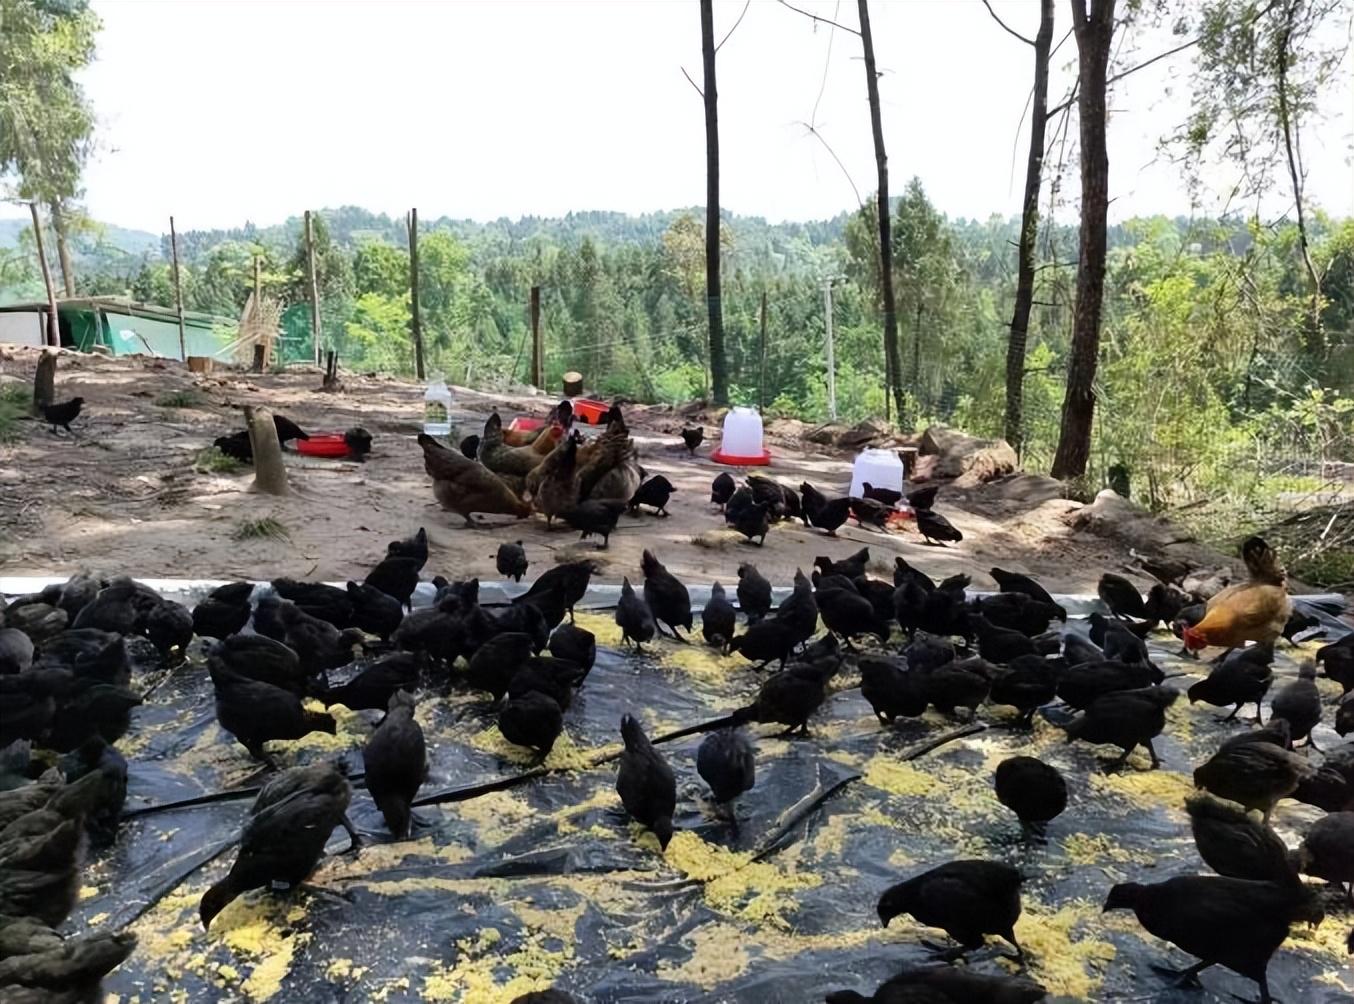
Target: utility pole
831, 360
178, 288
53, 329
314, 289
415, 321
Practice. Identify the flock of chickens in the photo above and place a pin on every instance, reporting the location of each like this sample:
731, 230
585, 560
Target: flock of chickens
67, 656
588, 484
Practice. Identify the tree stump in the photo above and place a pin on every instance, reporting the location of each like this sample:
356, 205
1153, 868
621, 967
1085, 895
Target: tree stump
270, 475
573, 384
259, 353
44, 382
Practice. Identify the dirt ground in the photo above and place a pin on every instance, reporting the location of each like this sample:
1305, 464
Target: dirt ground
123, 496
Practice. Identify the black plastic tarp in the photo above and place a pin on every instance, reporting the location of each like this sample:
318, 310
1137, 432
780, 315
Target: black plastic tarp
548, 883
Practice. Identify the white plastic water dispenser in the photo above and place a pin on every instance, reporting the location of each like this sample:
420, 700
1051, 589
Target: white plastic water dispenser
742, 437
881, 468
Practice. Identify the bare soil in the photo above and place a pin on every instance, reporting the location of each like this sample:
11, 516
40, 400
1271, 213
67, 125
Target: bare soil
122, 495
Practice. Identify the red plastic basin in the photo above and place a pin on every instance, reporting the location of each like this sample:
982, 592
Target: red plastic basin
589, 411
323, 446
523, 423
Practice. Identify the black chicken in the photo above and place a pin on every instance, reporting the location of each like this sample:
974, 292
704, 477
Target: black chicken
1299, 704
936, 529
511, 560
1033, 790
1243, 676
635, 618
666, 596
725, 760
1233, 844
396, 762
375, 611
62, 413
255, 713
396, 577
1231, 922
692, 438
569, 579
889, 686
946, 985
654, 493
532, 719
415, 547
722, 489
594, 518
497, 660
646, 783
373, 688
966, 899
718, 619
1253, 774
1125, 718
282, 841
1121, 596
754, 593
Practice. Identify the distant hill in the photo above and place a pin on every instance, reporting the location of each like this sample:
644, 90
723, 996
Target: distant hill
135, 242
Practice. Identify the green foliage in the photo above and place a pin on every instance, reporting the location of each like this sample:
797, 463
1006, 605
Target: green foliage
213, 461
178, 399
14, 402
45, 120
266, 528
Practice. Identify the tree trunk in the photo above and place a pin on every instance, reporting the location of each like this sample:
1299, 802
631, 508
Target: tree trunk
1315, 337
44, 381
314, 289
415, 320
892, 356
1029, 234
719, 371
53, 324
761, 379
270, 475
63, 251
178, 288
1095, 35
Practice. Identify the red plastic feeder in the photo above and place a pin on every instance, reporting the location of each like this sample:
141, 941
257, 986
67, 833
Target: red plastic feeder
720, 457
523, 423
331, 446
589, 411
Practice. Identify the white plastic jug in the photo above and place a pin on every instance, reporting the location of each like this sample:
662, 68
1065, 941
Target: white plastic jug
437, 408
881, 468
742, 433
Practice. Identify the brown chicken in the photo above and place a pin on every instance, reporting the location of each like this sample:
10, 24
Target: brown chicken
553, 486
513, 463
467, 486
608, 467
1254, 610
561, 415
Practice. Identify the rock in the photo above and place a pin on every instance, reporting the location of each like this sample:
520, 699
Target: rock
863, 434
1112, 515
970, 460
825, 434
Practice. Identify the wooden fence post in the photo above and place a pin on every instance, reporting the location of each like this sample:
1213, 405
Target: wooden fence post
537, 362
270, 474
314, 289
178, 288
53, 327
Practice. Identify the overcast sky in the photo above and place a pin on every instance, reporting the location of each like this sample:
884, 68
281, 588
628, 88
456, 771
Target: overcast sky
221, 112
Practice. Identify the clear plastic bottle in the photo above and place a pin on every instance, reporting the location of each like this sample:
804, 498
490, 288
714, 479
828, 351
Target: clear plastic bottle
437, 407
